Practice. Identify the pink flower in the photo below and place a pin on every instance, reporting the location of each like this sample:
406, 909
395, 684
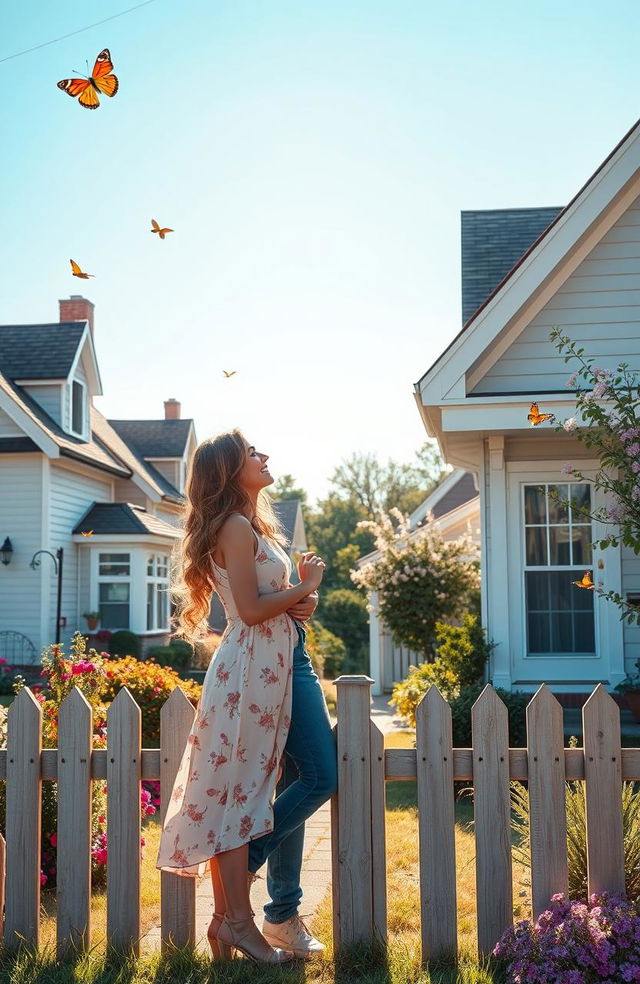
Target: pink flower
567, 468
53, 838
571, 381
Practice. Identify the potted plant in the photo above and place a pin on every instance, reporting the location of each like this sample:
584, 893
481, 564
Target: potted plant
93, 620
630, 687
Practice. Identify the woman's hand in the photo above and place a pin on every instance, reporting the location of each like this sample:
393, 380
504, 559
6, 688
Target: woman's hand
304, 609
311, 570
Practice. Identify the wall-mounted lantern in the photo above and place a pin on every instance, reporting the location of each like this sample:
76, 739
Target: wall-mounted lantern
6, 551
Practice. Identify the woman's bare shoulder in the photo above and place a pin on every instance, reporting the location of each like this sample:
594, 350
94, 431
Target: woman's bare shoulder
235, 529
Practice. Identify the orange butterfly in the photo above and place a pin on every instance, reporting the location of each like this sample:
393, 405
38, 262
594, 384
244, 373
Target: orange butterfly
585, 581
228, 375
89, 533
535, 417
156, 228
77, 272
101, 80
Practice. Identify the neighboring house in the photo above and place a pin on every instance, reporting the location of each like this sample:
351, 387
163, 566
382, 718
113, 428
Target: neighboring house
453, 509
65, 470
289, 513
525, 271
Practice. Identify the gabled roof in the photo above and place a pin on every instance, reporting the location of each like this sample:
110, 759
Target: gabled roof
453, 491
123, 518
287, 512
493, 240
155, 438
108, 436
607, 193
41, 428
39, 351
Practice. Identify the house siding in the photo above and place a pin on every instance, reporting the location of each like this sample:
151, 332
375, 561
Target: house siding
49, 398
630, 582
7, 426
21, 519
127, 491
598, 306
170, 470
71, 494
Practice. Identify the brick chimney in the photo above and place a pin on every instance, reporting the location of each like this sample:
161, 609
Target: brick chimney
172, 409
77, 308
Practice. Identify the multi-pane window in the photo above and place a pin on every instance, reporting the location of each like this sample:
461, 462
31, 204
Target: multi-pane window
157, 591
114, 589
557, 535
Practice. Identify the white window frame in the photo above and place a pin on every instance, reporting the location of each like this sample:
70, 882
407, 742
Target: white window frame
608, 665
83, 387
113, 579
160, 583
549, 568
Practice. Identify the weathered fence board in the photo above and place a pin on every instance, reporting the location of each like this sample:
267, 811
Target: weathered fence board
124, 729
603, 793
24, 811
355, 875
547, 799
491, 811
436, 827
177, 894
75, 737
378, 834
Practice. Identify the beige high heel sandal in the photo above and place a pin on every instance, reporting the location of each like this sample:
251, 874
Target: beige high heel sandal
237, 934
219, 950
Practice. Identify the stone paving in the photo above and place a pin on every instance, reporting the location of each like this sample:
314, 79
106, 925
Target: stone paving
316, 868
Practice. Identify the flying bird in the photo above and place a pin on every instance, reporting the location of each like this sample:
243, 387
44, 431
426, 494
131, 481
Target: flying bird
585, 581
228, 375
535, 417
77, 272
156, 228
101, 80
88, 533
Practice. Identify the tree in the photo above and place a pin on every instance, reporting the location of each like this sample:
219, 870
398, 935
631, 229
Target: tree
285, 488
379, 488
344, 612
332, 530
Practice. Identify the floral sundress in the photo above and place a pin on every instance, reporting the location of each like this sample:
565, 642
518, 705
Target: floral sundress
223, 791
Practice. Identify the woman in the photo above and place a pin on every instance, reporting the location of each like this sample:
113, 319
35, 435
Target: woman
223, 792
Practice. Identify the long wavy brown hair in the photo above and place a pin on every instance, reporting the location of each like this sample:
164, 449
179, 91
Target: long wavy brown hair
213, 493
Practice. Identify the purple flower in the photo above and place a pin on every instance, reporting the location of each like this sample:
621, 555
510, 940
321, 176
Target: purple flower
567, 468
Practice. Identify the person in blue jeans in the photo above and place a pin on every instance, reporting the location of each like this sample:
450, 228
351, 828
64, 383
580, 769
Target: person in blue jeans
309, 779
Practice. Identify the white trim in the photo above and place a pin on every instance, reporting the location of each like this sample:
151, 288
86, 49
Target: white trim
607, 195
39, 382
29, 425
134, 538
87, 339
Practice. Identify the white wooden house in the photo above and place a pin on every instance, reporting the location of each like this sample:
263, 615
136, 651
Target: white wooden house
524, 272
453, 509
65, 470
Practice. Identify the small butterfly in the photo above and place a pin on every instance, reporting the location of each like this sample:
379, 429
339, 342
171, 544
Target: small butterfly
77, 272
228, 375
156, 228
585, 581
535, 417
99, 81
88, 533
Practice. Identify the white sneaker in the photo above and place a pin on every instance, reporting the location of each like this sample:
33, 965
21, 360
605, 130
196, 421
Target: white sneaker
292, 935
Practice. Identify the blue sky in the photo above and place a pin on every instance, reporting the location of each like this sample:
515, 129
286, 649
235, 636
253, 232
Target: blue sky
313, 159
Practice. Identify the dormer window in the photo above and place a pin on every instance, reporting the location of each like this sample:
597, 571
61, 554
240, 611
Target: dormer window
78, 400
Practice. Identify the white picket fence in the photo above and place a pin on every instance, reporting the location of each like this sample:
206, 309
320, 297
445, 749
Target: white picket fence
358, 814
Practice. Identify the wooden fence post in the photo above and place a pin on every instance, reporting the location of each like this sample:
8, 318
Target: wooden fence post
378, 834
492, 813
437, 824
75, 743
177, 893
23, 824
603, 792
547, 799
353, 879
123, 823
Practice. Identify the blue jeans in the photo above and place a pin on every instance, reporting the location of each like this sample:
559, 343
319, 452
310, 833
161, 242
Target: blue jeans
309, 778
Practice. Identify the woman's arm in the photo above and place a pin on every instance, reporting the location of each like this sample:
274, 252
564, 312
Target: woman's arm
237, 544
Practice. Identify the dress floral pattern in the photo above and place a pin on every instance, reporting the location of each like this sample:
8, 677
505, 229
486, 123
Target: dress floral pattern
223, 791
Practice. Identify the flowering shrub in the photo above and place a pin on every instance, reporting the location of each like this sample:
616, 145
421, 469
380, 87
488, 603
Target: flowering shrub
6, 677
420, 579
575, 943
99, 679
607, 421
150, 685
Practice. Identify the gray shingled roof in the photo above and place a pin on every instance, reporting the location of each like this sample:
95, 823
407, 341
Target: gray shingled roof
286, 510
463, 491
154, 438
493, 241
39, 351
123, 518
